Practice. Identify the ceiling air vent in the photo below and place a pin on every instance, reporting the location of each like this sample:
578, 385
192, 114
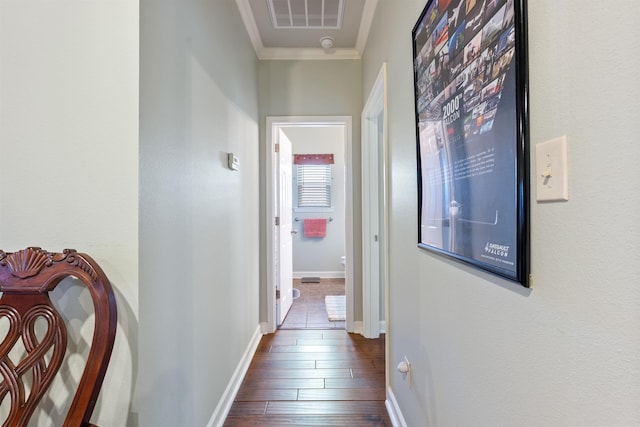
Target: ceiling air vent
311, 14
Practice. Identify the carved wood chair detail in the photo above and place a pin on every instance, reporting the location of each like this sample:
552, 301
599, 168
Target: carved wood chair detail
26, 278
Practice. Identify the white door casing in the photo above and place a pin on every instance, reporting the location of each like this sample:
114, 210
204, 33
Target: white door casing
273, 126
374, 229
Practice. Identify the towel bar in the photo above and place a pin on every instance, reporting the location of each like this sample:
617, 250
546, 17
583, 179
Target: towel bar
302, 219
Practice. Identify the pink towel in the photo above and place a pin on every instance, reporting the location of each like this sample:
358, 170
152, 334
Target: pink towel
315, 227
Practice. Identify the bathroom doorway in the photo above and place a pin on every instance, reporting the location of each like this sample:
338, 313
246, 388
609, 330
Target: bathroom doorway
320, 266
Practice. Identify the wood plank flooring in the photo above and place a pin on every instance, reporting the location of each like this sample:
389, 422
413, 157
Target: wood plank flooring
313, 378
308, 310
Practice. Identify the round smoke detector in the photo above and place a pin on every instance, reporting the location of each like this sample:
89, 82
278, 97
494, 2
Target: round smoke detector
327, 42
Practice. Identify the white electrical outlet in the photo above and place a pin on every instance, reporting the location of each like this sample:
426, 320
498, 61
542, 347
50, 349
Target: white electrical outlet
404, 367
552, 178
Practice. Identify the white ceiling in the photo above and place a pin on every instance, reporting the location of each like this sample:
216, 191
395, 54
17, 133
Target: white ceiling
302, 40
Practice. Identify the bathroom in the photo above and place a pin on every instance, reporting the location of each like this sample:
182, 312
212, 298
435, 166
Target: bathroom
318, 256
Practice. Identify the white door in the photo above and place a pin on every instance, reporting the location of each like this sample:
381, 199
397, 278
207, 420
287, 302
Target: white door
371, 227
284, 285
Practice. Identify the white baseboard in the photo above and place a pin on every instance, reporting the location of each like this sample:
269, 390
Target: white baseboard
264, 326
357, 327
229, 395
320, 274
394, 410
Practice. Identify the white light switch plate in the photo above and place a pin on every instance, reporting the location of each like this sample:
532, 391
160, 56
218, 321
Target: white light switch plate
551, 170
233, 162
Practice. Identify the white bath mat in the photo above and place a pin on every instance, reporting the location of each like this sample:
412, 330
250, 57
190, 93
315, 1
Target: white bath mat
336, 307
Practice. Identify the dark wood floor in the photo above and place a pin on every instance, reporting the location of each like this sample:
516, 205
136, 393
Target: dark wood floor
313, 378
308, 310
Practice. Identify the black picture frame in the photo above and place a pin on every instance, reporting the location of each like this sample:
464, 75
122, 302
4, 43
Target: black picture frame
472, 133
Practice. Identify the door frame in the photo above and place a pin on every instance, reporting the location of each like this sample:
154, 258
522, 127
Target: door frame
273, 126
375, 229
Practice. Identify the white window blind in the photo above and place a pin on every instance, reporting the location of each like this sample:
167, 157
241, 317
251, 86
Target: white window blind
314, 186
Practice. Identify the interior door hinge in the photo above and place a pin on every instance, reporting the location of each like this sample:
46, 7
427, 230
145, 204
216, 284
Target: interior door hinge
277, 148
277, 220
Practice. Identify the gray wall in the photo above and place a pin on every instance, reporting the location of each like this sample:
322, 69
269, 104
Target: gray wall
313, 88
486, 351
68, 144
198, 220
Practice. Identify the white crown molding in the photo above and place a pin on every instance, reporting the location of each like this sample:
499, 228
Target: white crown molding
365, 24
308, 54
250, 25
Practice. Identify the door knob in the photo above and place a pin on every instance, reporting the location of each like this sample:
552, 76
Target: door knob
294, 231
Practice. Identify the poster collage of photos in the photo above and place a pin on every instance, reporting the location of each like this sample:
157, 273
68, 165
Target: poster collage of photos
463, 49
466, 103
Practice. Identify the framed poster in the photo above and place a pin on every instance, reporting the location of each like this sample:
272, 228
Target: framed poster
471, 90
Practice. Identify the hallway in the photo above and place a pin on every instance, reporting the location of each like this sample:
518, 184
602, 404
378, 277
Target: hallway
313, 378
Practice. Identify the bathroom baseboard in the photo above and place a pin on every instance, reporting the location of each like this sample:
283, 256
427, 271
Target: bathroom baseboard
320, 274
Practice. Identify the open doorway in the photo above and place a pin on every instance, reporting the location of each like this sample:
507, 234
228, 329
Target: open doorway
320, 265
318, 228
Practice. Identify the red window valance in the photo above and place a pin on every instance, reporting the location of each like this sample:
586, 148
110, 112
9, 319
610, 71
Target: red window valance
313, 159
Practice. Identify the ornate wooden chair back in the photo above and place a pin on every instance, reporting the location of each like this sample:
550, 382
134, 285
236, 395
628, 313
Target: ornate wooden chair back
26, 278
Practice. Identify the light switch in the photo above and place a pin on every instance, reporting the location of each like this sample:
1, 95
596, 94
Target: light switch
233, 162
551, 170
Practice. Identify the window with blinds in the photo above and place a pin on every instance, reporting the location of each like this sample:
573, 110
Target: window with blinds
313, 186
